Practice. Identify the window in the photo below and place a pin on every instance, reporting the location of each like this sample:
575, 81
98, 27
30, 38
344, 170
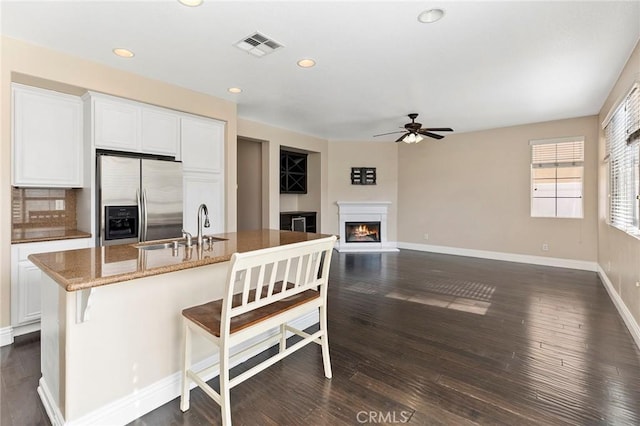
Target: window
622, 137
557, 171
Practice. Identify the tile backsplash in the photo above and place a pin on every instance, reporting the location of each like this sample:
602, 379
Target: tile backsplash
43, 208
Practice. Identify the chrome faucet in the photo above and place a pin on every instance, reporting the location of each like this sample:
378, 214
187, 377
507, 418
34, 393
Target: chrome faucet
202, 209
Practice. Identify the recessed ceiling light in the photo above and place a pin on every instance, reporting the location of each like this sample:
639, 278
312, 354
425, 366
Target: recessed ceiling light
191, 3
430, 16
234, 90
306, 63
123, 53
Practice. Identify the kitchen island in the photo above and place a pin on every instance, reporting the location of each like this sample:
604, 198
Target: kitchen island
111, 322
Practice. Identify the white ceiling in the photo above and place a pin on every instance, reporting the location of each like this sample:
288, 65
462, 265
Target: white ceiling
485, 65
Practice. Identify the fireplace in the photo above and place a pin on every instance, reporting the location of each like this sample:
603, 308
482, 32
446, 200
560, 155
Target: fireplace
363, 226
362, 232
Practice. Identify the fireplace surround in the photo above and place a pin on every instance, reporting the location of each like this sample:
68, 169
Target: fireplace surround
363, 226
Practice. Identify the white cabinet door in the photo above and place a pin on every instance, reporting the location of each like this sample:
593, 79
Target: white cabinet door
123, 125
116, 125
47, 138
160, 132
29, 294
202, 143
207, 188
26, 278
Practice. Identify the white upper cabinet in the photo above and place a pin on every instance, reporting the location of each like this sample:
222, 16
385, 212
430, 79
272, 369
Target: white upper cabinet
47, 138
116, 125
203, 188
160, 132
202, 144
123, 125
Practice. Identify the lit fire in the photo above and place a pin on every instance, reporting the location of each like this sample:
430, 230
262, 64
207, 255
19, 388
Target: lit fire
364, 231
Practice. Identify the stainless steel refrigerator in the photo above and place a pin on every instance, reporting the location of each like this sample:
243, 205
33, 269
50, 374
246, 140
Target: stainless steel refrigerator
139, 199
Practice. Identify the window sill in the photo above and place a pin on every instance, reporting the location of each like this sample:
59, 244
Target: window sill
634, 233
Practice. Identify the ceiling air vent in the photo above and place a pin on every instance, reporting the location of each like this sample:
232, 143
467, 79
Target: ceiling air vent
258, 45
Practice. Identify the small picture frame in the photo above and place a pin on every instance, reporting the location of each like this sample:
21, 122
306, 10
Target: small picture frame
363, 176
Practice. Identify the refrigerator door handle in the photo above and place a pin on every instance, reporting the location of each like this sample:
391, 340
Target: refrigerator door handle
144, 209
139, 199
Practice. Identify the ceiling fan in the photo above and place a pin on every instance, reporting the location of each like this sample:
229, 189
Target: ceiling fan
413, 131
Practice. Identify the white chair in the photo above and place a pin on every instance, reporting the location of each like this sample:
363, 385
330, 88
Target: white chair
265, 290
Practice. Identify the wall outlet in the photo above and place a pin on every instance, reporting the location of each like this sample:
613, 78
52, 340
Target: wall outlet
425, 236
608, 266
59, 204
545, 247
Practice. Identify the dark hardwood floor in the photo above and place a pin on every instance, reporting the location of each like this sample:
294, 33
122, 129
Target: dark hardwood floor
424, 339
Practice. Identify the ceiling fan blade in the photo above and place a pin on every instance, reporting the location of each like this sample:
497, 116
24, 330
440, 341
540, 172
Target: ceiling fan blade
402, 137
390, 133
431, 135
438, 129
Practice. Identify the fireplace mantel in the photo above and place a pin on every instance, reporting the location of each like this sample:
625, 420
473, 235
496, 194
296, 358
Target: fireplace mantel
364, 211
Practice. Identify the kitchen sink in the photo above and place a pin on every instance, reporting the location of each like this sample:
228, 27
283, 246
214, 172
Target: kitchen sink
170, 244
159, 246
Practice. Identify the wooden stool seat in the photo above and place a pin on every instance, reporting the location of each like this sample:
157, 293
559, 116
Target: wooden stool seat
208, 315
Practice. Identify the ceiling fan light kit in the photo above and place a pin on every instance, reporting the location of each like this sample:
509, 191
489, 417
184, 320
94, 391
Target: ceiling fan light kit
412, 138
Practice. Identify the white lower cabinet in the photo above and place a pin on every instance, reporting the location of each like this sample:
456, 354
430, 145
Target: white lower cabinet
26, 279
29, 277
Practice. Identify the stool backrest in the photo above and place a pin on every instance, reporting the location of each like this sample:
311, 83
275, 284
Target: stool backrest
261, 277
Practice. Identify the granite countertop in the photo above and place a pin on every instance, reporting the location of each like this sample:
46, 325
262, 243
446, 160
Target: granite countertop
92, 267
20, 236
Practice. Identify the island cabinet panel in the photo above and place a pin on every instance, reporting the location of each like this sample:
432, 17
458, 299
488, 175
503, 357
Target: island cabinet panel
128, 343
47, 138
128, 126
26, 280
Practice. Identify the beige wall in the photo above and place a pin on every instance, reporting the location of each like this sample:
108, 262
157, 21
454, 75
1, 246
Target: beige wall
381, 155
316, 197
618, 252
51, 66
471, 190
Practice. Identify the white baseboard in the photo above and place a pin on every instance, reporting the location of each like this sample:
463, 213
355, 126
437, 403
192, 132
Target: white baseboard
624, 312
131, 407
6, 336
508, 257
26, 329
50, 405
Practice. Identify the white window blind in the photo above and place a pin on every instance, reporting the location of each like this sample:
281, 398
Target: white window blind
622, 136
557, 172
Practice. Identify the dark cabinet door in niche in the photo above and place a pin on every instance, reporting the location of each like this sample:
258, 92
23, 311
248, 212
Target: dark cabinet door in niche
294, 221
293, 172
